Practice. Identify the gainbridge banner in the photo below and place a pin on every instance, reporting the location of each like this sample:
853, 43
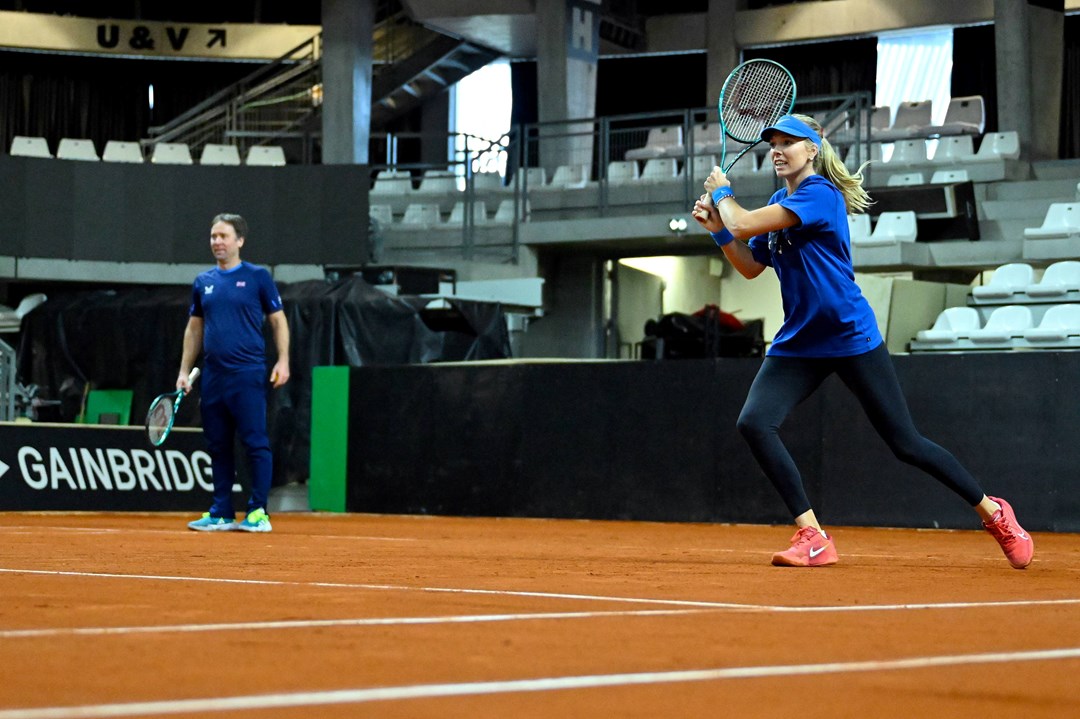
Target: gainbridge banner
64, 467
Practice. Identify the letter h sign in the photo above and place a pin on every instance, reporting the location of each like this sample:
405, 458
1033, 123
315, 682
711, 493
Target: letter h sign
583, 29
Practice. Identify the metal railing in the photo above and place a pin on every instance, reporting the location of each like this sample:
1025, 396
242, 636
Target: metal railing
530, 155
278, 100
7, 382
272, 100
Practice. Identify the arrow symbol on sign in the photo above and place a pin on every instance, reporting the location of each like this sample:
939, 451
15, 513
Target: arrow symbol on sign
3, 469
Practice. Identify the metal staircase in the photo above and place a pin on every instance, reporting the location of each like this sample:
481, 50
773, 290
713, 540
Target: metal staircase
279, 104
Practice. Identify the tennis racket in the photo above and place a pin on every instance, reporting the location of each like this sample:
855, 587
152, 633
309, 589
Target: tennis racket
755, 95
162, 413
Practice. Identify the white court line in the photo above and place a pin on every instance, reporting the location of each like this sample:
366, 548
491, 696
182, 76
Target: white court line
383, 587
429, 691
313, 623
30, 529
554, 595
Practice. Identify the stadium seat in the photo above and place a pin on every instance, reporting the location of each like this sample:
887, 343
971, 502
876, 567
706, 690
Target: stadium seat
621, 172
72, 149
700, 167
569, 176
437, 182
661, 141
457, 214
906, 179
954, 150
29, 303
952, 323
420, 215
534, 178
382, 214
908, 153
945, 177
964, 116
857, 154
998, 146
1003, 325
219, 155
660, 169
911, 118
892, 228
859, 227
1062, 221
504, 213
489, 182
392, 182
1058, 324
1058, 280
266, 156
707, 138
171, 153
29, 147
120, 151
1008, 280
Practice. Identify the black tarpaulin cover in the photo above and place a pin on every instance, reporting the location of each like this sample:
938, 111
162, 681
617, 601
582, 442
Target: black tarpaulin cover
132, 338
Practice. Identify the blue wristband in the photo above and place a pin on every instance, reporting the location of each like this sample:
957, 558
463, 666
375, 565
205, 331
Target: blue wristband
722, 193
722, 237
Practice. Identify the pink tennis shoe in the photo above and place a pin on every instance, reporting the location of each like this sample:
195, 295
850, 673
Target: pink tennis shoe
809, 548
1015, 542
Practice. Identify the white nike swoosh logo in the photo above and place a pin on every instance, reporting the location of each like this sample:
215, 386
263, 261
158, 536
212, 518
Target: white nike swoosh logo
815, 552
1021, 535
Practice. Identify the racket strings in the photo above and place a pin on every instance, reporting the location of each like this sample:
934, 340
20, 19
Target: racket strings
159, 419
761, 94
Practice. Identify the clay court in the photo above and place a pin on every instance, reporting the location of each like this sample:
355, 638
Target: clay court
110, 615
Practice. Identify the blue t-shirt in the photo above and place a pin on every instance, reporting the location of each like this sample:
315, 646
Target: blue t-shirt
825, 313
233, 305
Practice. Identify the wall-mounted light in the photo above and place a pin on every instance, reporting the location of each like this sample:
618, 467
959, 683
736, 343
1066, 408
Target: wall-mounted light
677, 224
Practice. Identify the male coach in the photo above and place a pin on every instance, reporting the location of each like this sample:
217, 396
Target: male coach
228, 307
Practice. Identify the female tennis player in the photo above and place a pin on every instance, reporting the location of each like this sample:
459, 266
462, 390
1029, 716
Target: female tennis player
829, 327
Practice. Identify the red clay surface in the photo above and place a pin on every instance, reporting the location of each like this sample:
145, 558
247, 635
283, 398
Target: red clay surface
356, 615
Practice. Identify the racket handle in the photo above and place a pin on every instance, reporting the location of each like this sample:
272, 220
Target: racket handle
194, 375
702, 214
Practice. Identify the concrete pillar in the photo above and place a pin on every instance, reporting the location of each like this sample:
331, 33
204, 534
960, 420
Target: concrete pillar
567, 50
348, 31
436, 147
720, 47
1029, 51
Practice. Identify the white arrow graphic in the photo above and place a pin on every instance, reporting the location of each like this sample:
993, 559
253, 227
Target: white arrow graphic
3, 469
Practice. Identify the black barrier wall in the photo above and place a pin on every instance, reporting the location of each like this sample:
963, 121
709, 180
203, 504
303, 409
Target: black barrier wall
657, 441
118, 212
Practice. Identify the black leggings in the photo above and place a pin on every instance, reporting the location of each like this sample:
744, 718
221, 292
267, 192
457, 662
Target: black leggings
784, 382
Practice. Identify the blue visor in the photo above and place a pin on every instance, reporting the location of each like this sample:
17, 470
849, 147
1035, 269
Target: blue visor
792, 126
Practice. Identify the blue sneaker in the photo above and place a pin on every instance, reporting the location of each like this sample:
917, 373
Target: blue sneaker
212, 524
257, 520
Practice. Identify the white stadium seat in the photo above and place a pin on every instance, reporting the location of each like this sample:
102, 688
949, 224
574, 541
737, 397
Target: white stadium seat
952, 323
213, 154
22, 146
1004, 324
1007, 280
1058, 280
171, 153
121, 151
266, 156
73, 149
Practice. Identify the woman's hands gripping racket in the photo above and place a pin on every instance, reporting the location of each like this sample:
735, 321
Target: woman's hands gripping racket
755, 95
162, 413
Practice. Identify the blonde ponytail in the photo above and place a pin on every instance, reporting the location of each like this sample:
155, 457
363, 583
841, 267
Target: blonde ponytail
829, 165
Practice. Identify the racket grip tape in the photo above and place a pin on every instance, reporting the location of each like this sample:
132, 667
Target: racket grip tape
193, 375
